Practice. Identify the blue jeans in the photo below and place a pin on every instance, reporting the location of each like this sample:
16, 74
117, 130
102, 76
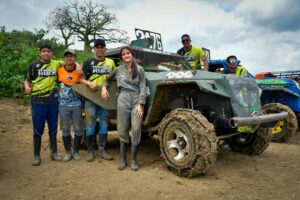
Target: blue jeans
92, 111
70, 115
42, 113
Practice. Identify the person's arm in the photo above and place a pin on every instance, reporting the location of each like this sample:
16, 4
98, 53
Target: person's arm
205, 61
142, 95
91, 85
79, 68
109, 78
29, 77
84, 71
27, 86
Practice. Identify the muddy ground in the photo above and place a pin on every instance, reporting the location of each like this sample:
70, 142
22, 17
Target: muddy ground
273, 175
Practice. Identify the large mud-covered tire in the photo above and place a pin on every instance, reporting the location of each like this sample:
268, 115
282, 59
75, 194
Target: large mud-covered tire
287, 127
298, 119
188, 142
251, 143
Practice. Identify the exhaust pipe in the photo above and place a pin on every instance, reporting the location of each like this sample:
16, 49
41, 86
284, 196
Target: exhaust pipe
243, 121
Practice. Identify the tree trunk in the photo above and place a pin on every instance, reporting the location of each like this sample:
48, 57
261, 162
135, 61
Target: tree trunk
87, 46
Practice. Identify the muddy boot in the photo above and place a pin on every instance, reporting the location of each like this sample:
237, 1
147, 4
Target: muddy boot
67, 144
102, 140
36, 150
123, 156
134, 165
77, 141
53, 149
90, 148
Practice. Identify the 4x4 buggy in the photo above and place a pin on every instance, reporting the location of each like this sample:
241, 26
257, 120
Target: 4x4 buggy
191, 110
281, 92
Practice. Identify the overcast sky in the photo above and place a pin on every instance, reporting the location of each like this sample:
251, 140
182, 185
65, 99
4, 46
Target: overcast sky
263, 34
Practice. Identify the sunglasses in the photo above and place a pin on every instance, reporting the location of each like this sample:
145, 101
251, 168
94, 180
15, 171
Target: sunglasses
187, 40
232, 61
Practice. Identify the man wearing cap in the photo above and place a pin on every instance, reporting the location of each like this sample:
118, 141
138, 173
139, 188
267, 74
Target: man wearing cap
193, 54
70, 104
234, 67
95, 71
40, 82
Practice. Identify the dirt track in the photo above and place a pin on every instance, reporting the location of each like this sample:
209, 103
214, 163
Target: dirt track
273, 175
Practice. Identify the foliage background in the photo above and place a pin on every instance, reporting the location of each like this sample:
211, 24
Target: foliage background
17, 50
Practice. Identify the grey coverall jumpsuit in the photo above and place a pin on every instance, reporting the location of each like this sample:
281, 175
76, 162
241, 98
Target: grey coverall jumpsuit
131, 93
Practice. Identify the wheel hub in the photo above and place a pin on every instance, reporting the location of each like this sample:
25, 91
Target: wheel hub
179, 144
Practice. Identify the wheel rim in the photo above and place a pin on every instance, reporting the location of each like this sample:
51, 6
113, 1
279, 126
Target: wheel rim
178, 146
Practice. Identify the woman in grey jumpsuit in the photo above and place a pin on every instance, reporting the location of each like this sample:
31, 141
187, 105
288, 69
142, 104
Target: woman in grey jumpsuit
131, 84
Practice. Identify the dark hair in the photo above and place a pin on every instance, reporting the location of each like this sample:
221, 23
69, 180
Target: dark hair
185, 35
134, 65
231, 56
46, 46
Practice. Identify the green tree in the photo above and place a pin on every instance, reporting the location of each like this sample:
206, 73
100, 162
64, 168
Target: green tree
88, 21
17, 50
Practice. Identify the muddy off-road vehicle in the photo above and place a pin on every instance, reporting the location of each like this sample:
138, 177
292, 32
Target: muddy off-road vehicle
281, 92
191, 110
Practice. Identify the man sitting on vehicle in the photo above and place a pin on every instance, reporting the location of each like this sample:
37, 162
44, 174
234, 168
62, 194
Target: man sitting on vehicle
234, 67
193, 54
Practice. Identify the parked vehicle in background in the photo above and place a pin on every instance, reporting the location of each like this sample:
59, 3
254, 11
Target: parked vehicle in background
281, 88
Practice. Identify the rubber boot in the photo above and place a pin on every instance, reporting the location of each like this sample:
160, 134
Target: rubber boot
77, 141
53, 149
123, 156
36, 150
102, 140
134, 165
90, 147
67, 144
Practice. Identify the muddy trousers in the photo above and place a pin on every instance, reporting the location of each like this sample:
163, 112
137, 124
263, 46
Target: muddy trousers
71, 116
129, 127
40, 114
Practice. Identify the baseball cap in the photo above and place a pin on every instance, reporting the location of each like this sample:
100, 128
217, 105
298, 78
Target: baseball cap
71, 51
100, 42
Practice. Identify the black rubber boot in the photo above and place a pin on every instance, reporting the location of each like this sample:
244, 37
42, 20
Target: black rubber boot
134, 165
102, 140
53, 149
123, 156
36, 150
77, 141
90, 147
67, 144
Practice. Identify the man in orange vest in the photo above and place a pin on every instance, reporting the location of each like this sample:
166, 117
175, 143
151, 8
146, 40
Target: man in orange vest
70, 104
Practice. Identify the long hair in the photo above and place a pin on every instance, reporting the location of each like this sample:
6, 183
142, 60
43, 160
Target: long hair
134, 65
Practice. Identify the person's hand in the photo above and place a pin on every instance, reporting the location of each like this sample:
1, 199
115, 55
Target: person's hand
104, 93
79, 68
27, 89
93, 86
139, 111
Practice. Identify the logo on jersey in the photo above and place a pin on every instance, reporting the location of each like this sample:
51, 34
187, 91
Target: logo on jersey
46, 72
190, 58
101, 69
